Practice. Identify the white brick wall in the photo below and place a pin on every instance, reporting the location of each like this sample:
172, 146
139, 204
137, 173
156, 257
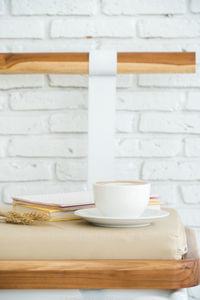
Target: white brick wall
148, 147
58, 7
47, 100
1, 7
25, 170
48, 146
71, 170
170, 81
193, 102
132, 7
22, 124
195, 6
151, 101
20, 29
71, 121
169, 169
192, 147
20, 81
98, 27
43, 118
179, 27
170, 123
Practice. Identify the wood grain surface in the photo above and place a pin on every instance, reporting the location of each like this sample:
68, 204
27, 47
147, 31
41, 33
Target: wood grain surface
103, 274
78, 63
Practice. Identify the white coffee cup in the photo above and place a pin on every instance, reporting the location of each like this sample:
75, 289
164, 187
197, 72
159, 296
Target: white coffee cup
121, 198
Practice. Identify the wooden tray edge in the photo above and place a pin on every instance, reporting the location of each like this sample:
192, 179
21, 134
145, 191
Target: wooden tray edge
104, 274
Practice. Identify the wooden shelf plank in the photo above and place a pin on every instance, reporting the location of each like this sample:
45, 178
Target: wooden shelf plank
78, 63
103, 274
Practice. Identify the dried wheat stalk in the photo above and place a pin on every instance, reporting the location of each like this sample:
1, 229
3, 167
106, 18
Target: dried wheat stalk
26, 218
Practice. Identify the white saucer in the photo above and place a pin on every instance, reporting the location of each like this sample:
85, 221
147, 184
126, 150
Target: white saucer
93, 215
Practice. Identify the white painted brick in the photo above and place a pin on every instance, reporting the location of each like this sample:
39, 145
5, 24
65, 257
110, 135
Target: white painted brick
71, 121
171, 170
48, 45
22, 124
146, 45
169, 27
40, 187
195, 7
74, 146
3, 100
23, 28
71, 169
53, 7
172, 80
98, 27
3, 146
191, 193
156, 147
166, 191
25, 170
161, 101
2, 7
192, 147
125, 80
21, 81
55, 80
193, 101
131, 7
190, 216
65, 80
48, 100
126, 122
127, 169
172, 123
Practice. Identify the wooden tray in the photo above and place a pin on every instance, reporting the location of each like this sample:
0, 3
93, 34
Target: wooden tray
103, 274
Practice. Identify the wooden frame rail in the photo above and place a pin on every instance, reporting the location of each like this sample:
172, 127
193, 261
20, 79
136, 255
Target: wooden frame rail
78, 63
103, 274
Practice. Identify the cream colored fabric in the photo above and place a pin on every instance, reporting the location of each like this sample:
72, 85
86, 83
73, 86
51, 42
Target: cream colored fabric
164, 239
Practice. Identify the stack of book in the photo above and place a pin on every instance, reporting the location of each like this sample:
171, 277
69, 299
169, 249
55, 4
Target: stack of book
60, 207
154, 202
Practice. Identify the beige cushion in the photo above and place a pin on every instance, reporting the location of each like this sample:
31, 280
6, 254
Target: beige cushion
164, 239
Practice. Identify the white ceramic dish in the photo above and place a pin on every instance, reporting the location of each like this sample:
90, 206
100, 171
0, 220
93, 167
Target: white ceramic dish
94, 216
121, 198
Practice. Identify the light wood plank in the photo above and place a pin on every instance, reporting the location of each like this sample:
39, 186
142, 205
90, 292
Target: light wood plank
78, 63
